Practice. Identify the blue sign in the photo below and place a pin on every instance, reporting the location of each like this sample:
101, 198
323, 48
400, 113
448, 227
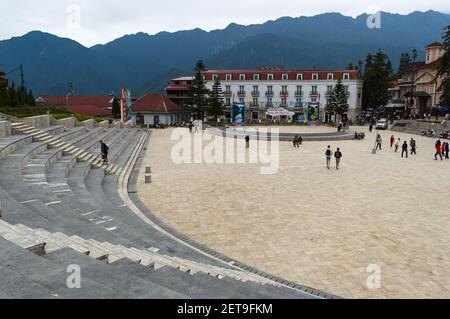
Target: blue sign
238, 114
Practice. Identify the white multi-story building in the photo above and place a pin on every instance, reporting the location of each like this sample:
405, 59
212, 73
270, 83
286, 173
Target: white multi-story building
291, 89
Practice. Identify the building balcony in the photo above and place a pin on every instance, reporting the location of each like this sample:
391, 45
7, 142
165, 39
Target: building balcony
255, 93
284, 94
314, 94
269, 94
241, 94
227, 94
298, 93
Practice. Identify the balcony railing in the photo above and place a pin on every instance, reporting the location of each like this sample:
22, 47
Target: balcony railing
269, 94
227, 93
298, 93
255, 93
313, 93
284, 94
241, 93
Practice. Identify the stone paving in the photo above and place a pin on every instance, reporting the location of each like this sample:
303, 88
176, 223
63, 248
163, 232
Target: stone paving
321, 228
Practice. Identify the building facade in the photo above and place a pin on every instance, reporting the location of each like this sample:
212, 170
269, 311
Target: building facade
178, 89
418, 85
157, 109
267, 88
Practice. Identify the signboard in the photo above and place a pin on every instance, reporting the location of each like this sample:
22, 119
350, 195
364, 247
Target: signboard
279, 112
313, 112
238, 113
126, 106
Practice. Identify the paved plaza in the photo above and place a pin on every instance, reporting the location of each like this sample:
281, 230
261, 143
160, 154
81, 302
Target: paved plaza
321, 228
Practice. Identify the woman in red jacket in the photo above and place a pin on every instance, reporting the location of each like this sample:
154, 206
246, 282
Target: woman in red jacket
438, 150
392, 141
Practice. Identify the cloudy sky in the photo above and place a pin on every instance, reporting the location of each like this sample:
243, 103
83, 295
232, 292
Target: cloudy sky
99, 21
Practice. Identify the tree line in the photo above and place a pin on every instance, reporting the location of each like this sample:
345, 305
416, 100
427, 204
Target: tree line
12, 96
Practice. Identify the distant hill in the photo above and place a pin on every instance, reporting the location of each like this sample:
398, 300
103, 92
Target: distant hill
145, 62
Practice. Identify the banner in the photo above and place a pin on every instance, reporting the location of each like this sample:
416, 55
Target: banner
126, 106
238, 114
313, 112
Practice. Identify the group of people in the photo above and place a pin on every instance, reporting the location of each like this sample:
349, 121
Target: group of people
442, 150
337, 155
406, 149
297, 141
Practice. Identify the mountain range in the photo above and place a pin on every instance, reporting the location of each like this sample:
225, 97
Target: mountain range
145, 63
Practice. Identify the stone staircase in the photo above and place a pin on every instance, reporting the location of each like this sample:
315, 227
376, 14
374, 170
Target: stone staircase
67, 148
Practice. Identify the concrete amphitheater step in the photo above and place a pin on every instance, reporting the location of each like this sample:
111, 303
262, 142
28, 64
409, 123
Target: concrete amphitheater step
115, 278
197, 286
26, 275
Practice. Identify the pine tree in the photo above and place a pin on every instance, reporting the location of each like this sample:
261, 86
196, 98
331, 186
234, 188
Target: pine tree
377, 80
216, 100
4, 94
338, 103
197, 101
13, 101
30, 99
405, 61
444, 68
21, 96
116, 108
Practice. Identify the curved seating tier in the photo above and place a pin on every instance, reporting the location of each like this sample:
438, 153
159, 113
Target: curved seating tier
57, 210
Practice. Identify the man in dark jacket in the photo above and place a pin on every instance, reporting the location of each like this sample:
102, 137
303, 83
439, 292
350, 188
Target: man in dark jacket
104, 151
405, 149
338, 156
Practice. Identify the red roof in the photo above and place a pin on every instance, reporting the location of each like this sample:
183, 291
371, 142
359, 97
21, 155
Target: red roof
90, 110
178, 87
434, 44
155, 103
278, 74
102, 101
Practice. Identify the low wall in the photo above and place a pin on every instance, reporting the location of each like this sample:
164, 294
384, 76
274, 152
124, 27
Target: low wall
67, 122
89, 124
40, 121
104, 124
5, 128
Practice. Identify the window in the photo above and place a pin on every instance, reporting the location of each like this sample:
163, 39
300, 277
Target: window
241, 100
228, 89
255, 88
269, 101
299, 88
315, 76
298, 102
227, 101
283, 101
270, 88
241, 89
330, 76
285, 77
346, 76
241, 77
255, 101
228, 77
299, 77
255, 77
215, 77
329, 88
346, 89
313, 100
284, 89
270, 77
314, 89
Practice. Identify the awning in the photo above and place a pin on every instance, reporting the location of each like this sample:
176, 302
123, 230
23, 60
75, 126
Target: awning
279, 112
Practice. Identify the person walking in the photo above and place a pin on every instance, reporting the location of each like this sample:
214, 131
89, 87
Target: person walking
328, 155
438, 148
446, 150
405, 149
379, 142
370, 127
392, 140
295, 141
104, 150
338, 156
397, 145
413, 146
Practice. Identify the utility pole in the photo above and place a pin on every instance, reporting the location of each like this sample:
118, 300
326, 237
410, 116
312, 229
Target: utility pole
22, 78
